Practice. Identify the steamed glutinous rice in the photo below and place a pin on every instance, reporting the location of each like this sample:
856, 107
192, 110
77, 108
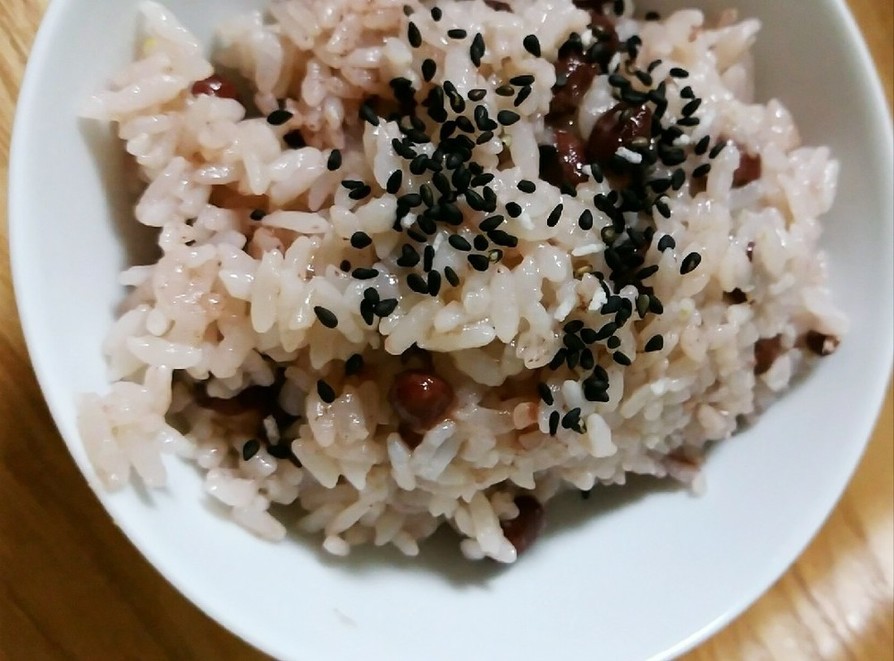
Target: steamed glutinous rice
438, 263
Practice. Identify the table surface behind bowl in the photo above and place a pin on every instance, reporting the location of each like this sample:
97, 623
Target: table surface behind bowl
72, 586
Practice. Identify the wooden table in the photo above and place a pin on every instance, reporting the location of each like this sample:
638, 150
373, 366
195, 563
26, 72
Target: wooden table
72, 586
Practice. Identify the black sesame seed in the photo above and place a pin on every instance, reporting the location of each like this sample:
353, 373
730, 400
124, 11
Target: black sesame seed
691, 107
408, 256
647, 272
362, 273
642, 305
429, 67
571, 419
644, 77
521, 80
257, 214
663, 209
403, 149
428, 258
532, 45
678, 178
480, 243
279, 117
408, 10
325, 391
505, 90
394, 182
360, 240
477, 49
479, 262
294, 139
459, 242
688, 121
250, 449
484, 137
490, 223
554, 418
619, 81
418, 164
702, 145
474, 200
507, 117
436, 14
457, 33
371, 294
558, 360
360, 193
523, 94
513, 209
553, 219
690, 263
606, 331
326, 316
593, 392
334, 160
526, 186
417, 283
666, 242
417, 235
678, 72
701, 170
353, 364
476, 94
413, 35
434, 283
427, 224
655, 306
368, 114
655, 343
545, 393
585, 222
613, 342
385, 307
501, 238
621, 358
451, 276
588, 335
345, 265
618, 7
716, 149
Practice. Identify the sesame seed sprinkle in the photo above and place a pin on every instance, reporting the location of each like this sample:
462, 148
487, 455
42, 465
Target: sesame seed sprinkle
325, 391
532, 45
414, 37
326, 316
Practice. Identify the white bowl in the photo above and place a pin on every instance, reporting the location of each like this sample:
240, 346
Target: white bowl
634, 573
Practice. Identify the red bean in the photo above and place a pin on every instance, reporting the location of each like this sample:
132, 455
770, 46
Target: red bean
215, 85
617, 128
578, 73
749, 169
820, 343
523, 530
766, 351
420, 398
564, 164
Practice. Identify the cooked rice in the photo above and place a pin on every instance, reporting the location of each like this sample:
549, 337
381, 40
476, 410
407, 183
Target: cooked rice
230, 302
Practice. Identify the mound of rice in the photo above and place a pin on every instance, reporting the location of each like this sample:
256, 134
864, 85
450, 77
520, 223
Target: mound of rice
308, 300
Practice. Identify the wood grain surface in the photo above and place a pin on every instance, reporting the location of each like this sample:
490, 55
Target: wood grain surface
72, 586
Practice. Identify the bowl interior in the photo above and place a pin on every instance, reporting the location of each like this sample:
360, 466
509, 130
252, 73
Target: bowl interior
634, 573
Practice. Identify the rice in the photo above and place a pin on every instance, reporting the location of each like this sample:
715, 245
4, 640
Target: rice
339, 322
